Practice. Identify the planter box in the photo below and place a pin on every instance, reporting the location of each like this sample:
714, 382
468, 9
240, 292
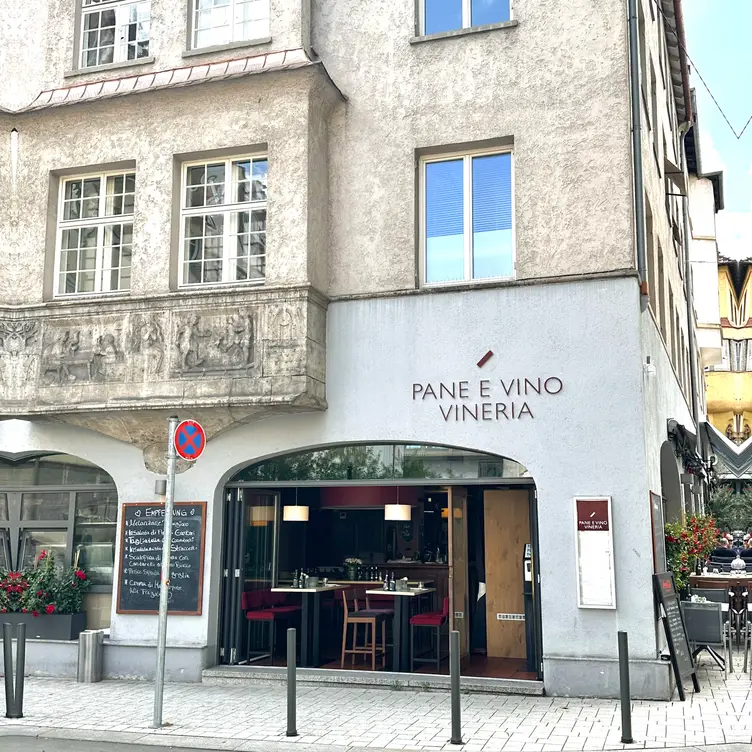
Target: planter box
48, 626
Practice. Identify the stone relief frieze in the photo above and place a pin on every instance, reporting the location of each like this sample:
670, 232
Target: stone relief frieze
75, 355
181, 351
214, 344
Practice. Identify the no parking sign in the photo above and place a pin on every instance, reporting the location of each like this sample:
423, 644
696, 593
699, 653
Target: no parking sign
190, 440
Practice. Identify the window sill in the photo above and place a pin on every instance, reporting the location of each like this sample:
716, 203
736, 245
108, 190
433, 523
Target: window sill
226, 47
464, 32
109, 67
220, 286
468, 284
88, 297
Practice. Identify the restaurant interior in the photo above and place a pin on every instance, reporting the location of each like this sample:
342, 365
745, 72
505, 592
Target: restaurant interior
374, 572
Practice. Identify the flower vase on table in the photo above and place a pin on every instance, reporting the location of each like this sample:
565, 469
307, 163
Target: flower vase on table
351, 567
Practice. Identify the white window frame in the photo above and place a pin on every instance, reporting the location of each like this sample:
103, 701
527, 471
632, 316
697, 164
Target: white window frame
194, 11
99, 222
120, 49
467, 157
466, 15
227, 232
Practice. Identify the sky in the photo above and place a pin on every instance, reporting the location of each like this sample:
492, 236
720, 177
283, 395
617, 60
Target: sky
718, 44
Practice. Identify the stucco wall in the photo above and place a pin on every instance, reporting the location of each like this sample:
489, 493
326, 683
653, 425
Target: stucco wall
51, 60
270, 110
565, 104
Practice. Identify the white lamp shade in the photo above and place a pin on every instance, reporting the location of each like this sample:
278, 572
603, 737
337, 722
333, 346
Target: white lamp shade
261, 515
397, 512
295, 514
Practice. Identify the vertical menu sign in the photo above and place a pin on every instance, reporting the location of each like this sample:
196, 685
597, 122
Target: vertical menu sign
596, 581
142, 536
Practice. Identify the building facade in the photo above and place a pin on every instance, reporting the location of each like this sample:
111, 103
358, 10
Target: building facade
307, 226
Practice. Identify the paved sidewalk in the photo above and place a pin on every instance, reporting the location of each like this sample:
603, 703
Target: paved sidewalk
252, 717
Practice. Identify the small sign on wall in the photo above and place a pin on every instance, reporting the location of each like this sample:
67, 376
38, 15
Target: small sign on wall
594, 539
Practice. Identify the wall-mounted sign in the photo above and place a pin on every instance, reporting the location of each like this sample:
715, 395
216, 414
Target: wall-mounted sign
659, 535
594, 540
487, 399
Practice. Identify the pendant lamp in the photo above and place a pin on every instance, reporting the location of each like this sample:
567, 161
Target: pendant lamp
295, 513
398, 512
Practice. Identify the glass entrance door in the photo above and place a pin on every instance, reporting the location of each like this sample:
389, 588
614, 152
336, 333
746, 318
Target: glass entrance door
249, 563
459, 614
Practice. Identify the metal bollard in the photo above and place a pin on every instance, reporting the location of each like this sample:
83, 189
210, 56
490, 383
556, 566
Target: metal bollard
291, 719
14, 696
454, 671
624, 690
90, 647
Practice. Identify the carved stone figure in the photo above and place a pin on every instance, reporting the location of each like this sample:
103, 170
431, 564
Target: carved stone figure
237, 343
147, 338
188, 343
104, 348
72, 356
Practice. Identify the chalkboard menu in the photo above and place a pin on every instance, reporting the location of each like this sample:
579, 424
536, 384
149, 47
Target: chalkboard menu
676, 633
142, 536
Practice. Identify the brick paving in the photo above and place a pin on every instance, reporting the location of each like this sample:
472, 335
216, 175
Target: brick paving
251, 716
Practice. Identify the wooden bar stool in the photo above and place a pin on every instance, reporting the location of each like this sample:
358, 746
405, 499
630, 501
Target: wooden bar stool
370, 619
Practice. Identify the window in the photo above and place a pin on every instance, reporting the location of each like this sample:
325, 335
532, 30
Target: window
114, 31
95, 233
217, 22
63, 504
448, 15
224, 221
467, 218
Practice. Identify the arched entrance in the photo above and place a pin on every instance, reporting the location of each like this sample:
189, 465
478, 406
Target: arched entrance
460, 522
671, 489
63, 504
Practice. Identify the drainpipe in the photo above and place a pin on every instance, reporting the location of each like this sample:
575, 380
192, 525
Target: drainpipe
639, 184
679, 20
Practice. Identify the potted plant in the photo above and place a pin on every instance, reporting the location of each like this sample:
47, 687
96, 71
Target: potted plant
687, 544
351, 565
48, 599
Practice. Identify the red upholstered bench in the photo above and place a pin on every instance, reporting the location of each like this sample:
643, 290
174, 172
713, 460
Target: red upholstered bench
436, 620
263, 606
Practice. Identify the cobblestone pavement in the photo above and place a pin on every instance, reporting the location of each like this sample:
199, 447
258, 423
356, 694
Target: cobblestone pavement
251, 716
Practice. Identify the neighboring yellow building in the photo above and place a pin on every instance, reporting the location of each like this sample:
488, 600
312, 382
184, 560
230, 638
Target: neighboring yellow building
729, 385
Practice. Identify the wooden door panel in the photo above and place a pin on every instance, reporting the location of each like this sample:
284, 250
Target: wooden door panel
507, 530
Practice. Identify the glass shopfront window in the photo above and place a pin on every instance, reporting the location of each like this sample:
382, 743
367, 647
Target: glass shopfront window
382, 462
62, 504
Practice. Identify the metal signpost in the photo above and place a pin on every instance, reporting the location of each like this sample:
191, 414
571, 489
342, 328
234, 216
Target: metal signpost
188, 440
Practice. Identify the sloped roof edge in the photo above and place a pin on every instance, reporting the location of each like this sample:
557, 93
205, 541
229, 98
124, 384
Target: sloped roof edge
174, 78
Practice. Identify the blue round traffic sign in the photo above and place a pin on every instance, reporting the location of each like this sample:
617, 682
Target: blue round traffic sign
190, 440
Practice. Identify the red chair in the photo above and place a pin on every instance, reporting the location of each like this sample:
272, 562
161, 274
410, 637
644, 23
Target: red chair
435, 619
263, 606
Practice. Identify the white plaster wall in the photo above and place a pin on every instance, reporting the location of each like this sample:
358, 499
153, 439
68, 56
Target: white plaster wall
587, 440
134, 483
662, 400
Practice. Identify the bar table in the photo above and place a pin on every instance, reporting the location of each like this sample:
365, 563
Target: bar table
310, 619
401, 659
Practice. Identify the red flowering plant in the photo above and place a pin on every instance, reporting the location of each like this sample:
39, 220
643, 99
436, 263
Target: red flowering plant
43, 589
685, 543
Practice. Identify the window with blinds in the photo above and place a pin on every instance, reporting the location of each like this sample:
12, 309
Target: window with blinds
468, 218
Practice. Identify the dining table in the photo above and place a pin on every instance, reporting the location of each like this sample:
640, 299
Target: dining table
310, 620
401, 623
